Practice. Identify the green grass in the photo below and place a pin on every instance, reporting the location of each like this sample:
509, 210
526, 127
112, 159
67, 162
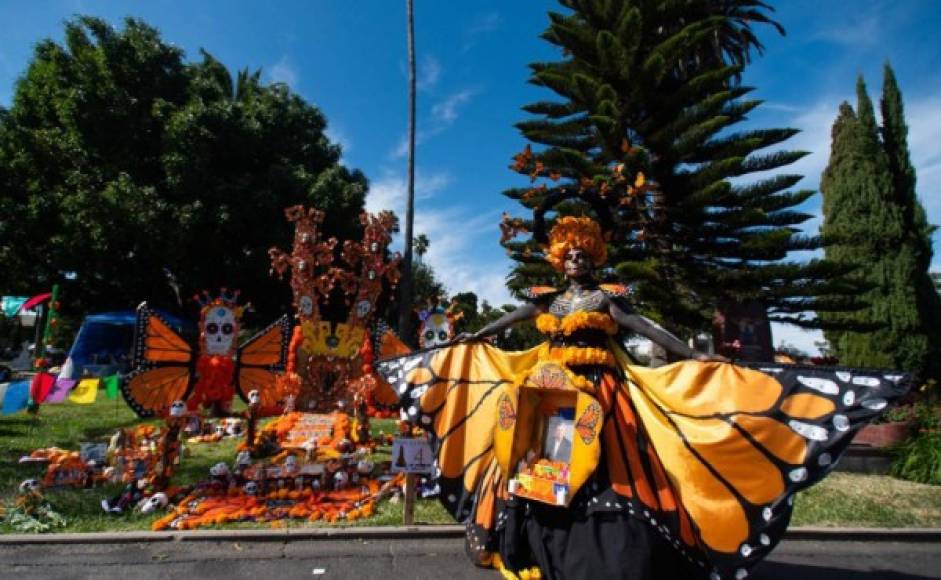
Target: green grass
845, 499
840, 500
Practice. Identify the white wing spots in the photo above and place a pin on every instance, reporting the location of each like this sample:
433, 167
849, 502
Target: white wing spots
798, 475
825, 386
849, 397
745, 550
766, 514
824, 459
770, 370
764, 539
894, 378
402, 388
741, 573
403, 415
412, 411
451, 498
841, 423
812, 432
866, 381
420, 391
411, 363
426, 419
844, 376
875, 404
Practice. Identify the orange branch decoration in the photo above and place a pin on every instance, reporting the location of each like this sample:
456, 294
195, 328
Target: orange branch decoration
324, 359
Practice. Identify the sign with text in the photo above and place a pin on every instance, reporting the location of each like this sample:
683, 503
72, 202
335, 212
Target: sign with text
412, 456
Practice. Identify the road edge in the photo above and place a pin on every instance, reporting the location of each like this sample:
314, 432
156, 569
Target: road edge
413, 532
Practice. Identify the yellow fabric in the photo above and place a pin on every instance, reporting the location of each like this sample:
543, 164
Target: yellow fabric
696, 416
85, 392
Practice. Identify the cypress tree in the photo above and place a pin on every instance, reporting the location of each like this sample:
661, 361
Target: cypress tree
877, 226
648, 99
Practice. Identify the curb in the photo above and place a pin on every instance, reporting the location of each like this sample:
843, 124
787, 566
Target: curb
415, 532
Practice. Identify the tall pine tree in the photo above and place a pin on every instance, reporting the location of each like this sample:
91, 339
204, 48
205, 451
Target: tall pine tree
648, 101
879, 227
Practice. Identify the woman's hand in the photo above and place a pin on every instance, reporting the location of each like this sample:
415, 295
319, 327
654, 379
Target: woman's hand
703, 357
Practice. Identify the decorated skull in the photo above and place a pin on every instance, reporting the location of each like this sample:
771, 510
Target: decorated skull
157, 501
219, 430
254, 398
233, 427
436, 330
251, 488
365, 467
340, 480
30, 486
219, 470
305, 304
220, 328
243, 459
290, 463
177, 408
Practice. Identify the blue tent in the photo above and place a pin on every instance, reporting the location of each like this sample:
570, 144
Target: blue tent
104, 342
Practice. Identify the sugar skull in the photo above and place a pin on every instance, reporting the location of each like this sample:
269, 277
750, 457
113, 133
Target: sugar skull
177, 408
436, 330
251, 488
219, 330
151, 504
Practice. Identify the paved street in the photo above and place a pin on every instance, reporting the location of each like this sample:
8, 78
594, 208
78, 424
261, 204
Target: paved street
406, 559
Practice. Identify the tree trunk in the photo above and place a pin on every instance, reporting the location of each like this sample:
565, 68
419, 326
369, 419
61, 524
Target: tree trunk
405, 297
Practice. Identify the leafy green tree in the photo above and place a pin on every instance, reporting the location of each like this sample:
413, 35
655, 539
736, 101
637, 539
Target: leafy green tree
646, 115
421, 245
121, 161
879, 227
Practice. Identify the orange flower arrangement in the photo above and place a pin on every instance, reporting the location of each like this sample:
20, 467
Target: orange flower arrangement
577, 356
576, 232
551, 324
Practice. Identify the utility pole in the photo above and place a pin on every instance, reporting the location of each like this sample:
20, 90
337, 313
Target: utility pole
406, 288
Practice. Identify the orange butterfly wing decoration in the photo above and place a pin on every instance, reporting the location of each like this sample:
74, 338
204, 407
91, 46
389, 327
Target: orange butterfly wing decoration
163, 363
588, 422
260, 360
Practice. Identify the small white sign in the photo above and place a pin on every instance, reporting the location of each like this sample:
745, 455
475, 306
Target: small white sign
412, 456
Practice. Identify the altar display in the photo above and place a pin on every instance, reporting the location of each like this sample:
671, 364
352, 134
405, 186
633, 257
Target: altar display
336, 290
569, 461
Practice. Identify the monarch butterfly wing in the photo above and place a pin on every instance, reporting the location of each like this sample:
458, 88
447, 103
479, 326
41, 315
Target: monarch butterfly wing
261, 359
151, 391
735, 444
162, 366
156, 342
452, 393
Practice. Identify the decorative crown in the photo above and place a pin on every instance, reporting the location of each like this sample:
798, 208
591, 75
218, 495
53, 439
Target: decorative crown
225, 298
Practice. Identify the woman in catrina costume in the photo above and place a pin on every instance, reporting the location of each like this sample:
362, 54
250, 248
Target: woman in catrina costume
568, 461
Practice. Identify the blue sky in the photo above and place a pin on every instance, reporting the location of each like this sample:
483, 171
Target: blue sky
349, 58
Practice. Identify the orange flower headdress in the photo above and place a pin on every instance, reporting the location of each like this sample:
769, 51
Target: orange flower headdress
570, 232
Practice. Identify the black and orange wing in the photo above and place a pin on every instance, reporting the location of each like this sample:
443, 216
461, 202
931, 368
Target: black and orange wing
163, 366
712, 454
260, 360
452, 393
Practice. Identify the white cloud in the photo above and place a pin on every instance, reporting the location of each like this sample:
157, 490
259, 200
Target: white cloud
340, 137
284, 71
443, 114
801, 338
456, 234
480, 26
429, 72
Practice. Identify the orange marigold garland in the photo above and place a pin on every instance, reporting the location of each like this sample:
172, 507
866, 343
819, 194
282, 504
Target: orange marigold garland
571, 323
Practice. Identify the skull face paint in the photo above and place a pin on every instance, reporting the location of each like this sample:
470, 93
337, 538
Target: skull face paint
220, 328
